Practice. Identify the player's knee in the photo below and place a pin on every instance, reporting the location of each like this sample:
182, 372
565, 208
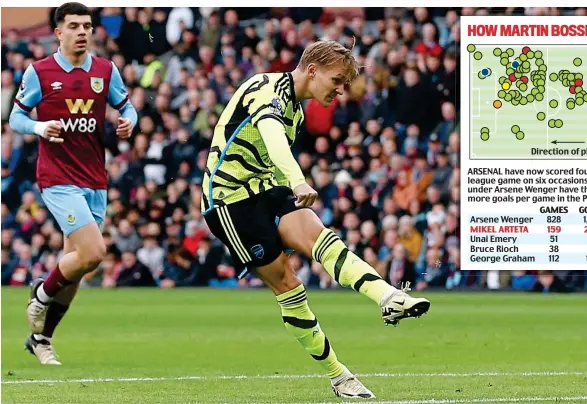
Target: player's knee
289, 283
94, 257
288, 280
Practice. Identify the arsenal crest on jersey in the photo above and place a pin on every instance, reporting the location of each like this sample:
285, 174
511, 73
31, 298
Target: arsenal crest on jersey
97, 84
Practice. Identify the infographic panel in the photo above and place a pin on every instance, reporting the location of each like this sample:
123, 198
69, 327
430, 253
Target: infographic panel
523, 140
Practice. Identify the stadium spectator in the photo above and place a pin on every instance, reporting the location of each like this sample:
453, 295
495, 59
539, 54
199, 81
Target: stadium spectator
133, 273
549, 282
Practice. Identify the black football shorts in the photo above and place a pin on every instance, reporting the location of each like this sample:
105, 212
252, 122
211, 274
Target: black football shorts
249, 227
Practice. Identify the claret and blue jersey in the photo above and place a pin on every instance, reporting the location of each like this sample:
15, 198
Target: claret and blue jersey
72, 173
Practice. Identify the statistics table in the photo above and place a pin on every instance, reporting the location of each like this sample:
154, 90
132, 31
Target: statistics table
524, 240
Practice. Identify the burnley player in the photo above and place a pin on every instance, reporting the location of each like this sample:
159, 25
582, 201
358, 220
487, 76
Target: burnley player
70, 91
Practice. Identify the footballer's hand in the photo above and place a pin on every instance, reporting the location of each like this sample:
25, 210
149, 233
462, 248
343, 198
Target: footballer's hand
53, 132
124, 129
305, 194
50, 130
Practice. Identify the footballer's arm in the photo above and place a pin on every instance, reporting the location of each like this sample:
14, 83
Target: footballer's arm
29, 95
118, 99
273, 135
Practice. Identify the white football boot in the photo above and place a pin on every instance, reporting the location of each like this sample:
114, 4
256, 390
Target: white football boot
43, 350
400, 305
350, 387
36, 311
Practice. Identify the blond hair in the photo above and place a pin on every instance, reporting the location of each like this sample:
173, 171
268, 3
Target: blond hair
327, 53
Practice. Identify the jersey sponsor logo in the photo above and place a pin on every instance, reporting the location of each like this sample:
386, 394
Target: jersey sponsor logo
79, 124
74, 107
258, 251
97, 84
56, 85
276, 107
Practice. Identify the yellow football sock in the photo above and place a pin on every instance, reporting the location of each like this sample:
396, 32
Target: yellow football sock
348, 269
303, 325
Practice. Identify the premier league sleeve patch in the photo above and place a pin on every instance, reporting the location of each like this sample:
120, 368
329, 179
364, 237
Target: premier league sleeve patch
276, 107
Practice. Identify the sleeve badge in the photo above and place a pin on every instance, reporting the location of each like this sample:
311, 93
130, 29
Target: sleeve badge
276, 107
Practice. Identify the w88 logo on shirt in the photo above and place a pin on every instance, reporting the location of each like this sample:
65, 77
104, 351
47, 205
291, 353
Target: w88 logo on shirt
79, 124
76, 107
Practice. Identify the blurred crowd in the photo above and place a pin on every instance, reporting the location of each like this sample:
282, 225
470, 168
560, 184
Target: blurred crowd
384, 156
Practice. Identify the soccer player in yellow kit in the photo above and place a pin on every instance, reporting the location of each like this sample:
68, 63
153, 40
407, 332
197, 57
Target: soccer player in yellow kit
256, 201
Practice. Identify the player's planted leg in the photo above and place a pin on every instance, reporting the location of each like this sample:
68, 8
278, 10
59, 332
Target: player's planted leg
303, 231
303, 325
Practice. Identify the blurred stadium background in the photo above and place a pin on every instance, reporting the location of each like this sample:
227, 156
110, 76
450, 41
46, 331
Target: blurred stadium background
384, 156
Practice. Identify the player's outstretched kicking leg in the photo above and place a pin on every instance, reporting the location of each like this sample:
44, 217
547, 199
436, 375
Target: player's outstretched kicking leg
299, 320
303, 231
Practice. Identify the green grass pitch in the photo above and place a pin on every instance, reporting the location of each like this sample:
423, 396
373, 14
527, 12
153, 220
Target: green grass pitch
230, 346
536, 88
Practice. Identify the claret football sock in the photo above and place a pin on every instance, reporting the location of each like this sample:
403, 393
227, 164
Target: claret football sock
348, 269
55, 313
53, 284
303, 325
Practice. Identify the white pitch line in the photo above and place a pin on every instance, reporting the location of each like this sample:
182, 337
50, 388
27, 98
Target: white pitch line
278, 376
473, 400
478, 91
